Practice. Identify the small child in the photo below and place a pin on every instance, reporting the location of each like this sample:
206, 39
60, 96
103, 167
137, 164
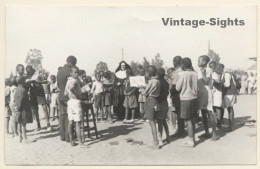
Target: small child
205, 96
212, 65
108, 95
14, 124
187, 85
152, 92
54, 97
98, 95
141, 97
217, 93
163, 106
23, 114
46, 86
230, 96
73, 91
171, 108
130, 102
8, 112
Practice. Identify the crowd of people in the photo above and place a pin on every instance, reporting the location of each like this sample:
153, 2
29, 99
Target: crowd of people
179, 94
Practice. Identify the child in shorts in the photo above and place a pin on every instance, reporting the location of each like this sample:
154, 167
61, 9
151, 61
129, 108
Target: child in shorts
205, 96
152, 92
14, 124
46, 86
74, 110
163, 106
187, 85
98, 95
171, 108
141, 97
108, 95
217, 92
130, 102
8, 112
54, 97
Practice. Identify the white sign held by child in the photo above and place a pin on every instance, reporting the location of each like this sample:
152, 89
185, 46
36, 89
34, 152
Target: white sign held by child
137, 81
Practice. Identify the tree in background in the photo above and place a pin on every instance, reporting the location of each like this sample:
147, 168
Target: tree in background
101, 66
157, 62
34, 58
135, 67
213, 56
145, 64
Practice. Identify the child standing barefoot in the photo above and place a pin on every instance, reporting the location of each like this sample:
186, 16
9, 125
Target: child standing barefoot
152, 92
73, 91
54, 97
130, 102
187, 85
7, 105
163, 106
108, 95
12, 107
23, 109
98, 95
141, 97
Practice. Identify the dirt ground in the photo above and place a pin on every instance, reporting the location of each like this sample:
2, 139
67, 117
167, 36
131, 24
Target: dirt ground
236, 147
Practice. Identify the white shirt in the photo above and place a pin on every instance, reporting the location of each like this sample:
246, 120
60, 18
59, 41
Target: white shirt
97, 87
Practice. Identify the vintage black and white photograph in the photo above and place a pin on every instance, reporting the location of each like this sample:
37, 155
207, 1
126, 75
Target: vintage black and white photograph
130, 85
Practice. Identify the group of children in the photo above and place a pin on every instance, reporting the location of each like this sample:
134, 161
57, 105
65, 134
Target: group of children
181, 93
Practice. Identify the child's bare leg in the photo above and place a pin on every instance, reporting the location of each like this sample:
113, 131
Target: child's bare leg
20, 131
230, 117
154, 133
217, 111
7, 119
213, 125
160, 129
78, 124
102, 113
133, 114
173, 119
205, 121
190, 128
53, 113
96, 112
166, 129
109, 118
141, 110
126, 113
24, 131
70, 130
46, 114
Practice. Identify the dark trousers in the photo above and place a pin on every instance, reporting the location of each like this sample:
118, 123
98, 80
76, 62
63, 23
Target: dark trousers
63, 121
35, 113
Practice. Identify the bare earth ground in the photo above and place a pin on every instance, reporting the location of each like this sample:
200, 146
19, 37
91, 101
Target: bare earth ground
237, 147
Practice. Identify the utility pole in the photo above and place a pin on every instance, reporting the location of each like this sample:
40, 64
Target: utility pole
122, 54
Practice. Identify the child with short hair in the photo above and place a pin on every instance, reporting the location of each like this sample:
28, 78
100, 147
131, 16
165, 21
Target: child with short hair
130, 102
23, 114
46, 87
163, 106
108, 95
8, 112
230, 96
152, 92
141, 97
98, 95
205, 96
171, 108
212, 65
54, 97
217, 93
14, 124
187, 85
73, 91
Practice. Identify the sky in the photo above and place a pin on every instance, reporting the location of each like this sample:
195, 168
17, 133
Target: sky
94, 34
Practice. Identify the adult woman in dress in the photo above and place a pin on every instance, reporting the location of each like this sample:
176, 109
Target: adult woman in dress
120, 76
